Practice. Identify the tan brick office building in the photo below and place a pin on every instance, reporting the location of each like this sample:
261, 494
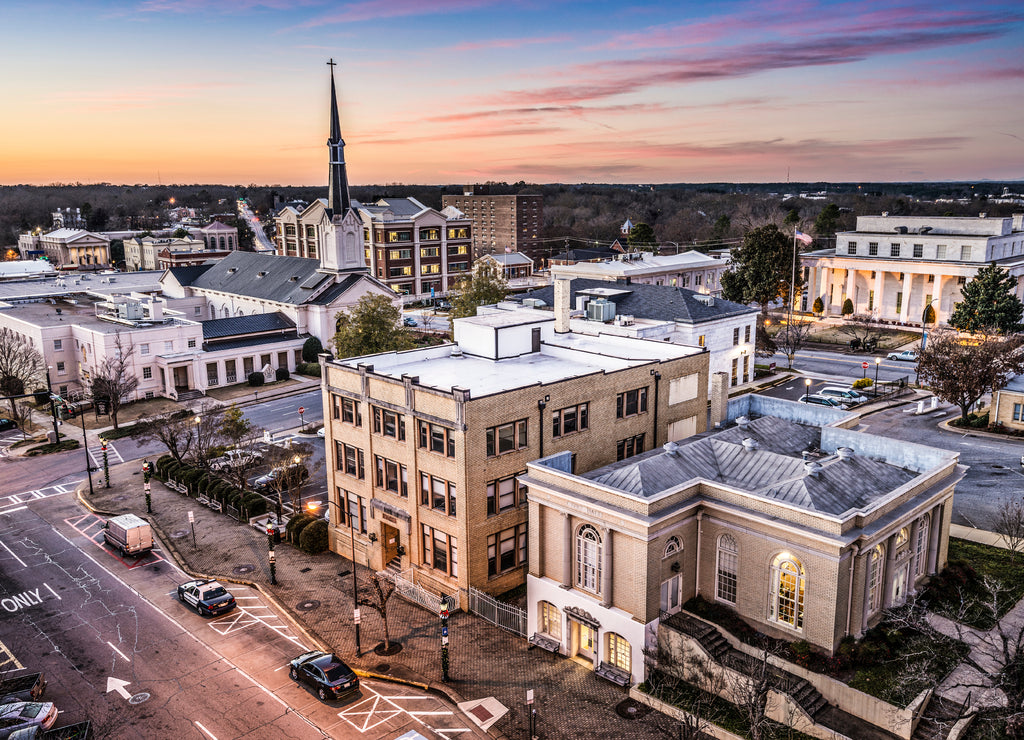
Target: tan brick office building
424, 447
804, 547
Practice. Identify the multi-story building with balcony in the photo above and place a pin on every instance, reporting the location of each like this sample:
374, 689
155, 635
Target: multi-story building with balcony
891, 267
501, 222
416, 250
424, 447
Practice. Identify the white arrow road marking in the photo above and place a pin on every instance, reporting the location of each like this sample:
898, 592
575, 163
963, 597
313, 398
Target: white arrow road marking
116, 684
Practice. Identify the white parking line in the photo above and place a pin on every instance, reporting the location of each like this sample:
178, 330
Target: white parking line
114, 648
13, 555
200, 726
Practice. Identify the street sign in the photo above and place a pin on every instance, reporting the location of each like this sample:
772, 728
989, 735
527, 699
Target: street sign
191, 518
529, 696
302, 410
355, 616
864, 365
444, 630
444, 640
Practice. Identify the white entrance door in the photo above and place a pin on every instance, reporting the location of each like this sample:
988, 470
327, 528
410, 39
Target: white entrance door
586, 645
899, 585
671, 591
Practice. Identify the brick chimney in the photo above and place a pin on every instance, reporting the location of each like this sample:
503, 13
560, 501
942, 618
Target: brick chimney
562, 305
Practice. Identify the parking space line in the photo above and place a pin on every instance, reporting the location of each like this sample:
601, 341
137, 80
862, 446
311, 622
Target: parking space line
12, 554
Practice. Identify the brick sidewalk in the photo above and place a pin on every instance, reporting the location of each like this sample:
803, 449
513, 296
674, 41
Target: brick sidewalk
485, 660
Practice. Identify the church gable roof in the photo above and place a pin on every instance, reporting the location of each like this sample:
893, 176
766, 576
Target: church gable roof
239, 325
263, 276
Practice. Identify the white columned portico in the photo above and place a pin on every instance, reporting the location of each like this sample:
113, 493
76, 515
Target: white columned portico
877, 303
851, 286
908, 278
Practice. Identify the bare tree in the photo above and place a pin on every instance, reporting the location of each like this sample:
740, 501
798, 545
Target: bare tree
675, 672
115, 380
1010, 525
175, 430
206, 434
381, 590
290, 471
21, 366
239, 432
859, 329
791, 338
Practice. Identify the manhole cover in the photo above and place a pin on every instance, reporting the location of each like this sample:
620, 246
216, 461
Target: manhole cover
139, 698
307, 606
383, 668
241, 570
179, 533
305, 570
630, 709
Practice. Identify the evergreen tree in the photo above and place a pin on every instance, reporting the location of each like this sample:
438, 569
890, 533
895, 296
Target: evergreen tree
373, 325
848, 307
642, 237
487, 285
761, 269
989, 303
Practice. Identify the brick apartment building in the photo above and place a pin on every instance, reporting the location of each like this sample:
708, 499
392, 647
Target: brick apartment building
501, 222
424, 447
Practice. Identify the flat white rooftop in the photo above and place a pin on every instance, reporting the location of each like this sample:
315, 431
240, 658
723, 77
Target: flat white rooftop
561, 358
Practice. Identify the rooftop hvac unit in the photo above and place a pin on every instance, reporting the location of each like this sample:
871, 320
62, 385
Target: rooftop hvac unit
533, 303
600, 310
624, 320
132, 311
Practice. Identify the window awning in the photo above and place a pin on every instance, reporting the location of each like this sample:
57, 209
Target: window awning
387, 508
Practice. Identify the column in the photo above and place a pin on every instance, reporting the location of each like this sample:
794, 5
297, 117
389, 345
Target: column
606, 567
937, 299
567, 547
908, 278
935, 526
879, 287
890, 562
851, 288
827, 300
865, 606
912, 585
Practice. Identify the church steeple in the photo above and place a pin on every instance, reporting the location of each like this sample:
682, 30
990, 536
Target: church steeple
337, 196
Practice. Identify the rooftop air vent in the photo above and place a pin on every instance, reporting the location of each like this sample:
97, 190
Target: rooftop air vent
670, 447
845, 453
742, 422
812, 469
749, 444
457, 352
293, 279
261, 273
924, 229
232, 270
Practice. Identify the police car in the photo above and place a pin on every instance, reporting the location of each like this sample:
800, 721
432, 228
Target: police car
207, 597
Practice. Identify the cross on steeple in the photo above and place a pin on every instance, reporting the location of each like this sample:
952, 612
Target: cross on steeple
332, 63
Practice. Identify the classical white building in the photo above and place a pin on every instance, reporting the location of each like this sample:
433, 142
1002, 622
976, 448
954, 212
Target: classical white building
67, 248
692, 270
891, 267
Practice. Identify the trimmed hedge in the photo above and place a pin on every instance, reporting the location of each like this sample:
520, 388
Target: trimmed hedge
256, 380
309, 368
293, 529
282, 373
313, 538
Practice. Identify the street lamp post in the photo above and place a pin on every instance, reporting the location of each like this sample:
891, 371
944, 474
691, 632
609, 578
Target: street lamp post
296, 460
85, 446
53, 406
355, 587
807, 386
878, 361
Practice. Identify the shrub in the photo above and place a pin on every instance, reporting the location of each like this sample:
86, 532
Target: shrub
255, 505
818, 306
282, 373
256, 380
862, 383
164, 460
309, 368
310, 349
313, 538
295, 525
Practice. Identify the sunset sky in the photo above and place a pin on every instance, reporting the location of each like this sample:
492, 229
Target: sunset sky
453, 91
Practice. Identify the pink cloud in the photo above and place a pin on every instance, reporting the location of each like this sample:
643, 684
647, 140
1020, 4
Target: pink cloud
517, 43
368, 10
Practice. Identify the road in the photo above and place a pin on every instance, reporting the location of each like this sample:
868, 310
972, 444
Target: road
119, 649
844, 365
263, 243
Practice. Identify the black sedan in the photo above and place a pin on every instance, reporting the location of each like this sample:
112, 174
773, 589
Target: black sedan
326, 673
207, 597
6, 424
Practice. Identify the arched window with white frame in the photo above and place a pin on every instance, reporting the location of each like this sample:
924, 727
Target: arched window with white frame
921, 546
588, 558
549, 620
789, 584
619, 653
728, 555
672, 547
875, 564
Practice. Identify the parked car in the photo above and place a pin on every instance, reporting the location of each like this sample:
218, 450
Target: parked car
236, 459
844, 395
321, 432
129, 534
326, 673
77, 731
22, 714
817, 400
907, 355
6, 424
27, 687
443, 305
408, 321
207, 597
265, 482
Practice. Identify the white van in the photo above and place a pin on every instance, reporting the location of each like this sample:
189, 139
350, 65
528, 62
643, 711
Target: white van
846, 395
